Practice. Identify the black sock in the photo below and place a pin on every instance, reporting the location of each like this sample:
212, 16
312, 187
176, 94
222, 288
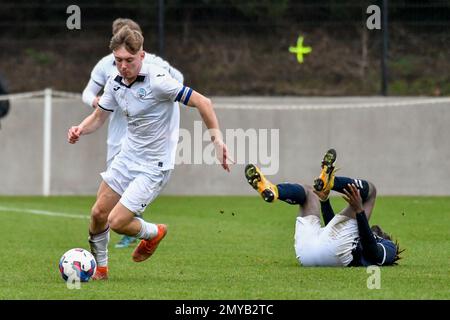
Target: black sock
291, 193
327, 211
340, 183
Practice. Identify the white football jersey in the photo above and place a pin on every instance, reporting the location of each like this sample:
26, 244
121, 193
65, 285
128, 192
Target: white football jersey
117, 126
153, 119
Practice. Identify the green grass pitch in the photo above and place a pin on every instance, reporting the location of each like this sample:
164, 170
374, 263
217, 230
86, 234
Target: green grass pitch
220, 248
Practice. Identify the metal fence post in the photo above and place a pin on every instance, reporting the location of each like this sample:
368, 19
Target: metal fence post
384, 48
161, 27
47, 142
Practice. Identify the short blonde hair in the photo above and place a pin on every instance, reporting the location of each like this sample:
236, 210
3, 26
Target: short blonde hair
121, 22
131, 40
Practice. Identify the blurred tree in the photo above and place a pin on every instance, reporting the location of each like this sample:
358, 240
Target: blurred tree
262, 9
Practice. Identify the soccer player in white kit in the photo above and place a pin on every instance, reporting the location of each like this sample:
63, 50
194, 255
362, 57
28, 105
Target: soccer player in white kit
117, 126
145, 94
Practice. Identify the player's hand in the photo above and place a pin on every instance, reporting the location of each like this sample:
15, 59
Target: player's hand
222, 154
74, 134
323, 195
353, 197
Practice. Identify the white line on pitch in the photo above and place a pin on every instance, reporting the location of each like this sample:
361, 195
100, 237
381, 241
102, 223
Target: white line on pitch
45, 213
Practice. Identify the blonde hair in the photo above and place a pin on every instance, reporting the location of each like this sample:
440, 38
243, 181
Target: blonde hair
131, 40
121, 22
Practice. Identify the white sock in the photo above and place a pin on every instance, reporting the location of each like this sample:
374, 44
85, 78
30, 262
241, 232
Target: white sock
99, 247
148, 230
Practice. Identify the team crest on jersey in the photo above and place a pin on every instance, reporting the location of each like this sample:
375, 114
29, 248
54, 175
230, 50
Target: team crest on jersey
141, 93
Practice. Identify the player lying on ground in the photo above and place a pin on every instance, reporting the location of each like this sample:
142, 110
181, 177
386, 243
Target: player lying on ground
346, 239
145, 94
117, 126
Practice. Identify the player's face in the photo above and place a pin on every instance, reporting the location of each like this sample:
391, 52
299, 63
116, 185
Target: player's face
127, 63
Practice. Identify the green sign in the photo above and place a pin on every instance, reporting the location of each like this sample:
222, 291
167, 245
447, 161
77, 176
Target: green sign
300, 50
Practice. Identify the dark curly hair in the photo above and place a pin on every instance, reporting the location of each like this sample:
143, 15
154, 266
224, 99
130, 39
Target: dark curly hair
376, 229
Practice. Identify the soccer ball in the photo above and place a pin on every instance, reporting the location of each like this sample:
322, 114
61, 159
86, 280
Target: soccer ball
77, 264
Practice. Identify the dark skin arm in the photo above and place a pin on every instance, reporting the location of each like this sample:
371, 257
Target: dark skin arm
371, 250
353, 198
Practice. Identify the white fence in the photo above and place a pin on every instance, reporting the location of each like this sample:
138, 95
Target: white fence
398, 143
47, 94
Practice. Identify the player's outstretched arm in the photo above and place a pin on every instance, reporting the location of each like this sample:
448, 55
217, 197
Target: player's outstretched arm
206, 110
90, 124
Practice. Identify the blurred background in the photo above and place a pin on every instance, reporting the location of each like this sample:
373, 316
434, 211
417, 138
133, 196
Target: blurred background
234, 47
380, 97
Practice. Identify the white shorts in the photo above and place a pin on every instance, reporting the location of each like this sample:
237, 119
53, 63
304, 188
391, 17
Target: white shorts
137, 185
331, 245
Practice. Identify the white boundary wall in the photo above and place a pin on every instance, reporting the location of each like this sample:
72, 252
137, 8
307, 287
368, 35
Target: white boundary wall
401, 144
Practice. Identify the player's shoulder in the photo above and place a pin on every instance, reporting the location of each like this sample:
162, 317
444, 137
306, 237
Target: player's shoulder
103, 69
156, 74
150, 57
159, 81
389, 251
153, 70
106, 61
387, 244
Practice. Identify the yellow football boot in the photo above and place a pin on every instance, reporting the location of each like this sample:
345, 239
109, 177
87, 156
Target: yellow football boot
267, 190
325, 182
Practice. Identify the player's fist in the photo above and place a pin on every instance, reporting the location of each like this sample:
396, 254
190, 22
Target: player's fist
74, 134
353, 198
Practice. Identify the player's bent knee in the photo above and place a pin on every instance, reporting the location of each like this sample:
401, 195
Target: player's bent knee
372, 191
98, 213
116, 224
309, 193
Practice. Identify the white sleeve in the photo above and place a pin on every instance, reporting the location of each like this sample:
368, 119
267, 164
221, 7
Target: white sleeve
176, 74
99, 74
167, 88
90, 92
107, 101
